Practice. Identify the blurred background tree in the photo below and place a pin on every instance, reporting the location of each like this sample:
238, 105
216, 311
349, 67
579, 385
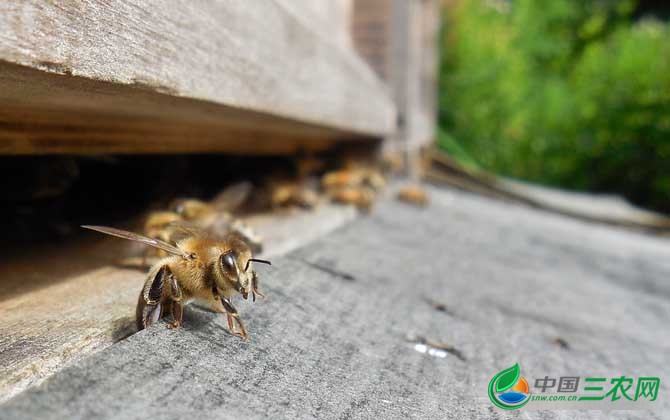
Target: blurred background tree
569, 93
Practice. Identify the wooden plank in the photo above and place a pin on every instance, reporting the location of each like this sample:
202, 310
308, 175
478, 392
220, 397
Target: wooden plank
200, 69
603, 209
61, 303
350, 325
48, 113
329, 18
398, 38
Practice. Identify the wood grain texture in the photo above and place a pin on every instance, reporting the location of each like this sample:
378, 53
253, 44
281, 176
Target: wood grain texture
399, 39
324, 346
59, 304
606, 209
45, 113
198, 67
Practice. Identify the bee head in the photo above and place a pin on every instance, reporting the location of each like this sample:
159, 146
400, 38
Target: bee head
233, 268
230, 268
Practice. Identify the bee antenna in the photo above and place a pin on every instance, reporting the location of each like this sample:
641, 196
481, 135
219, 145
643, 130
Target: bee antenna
256, 260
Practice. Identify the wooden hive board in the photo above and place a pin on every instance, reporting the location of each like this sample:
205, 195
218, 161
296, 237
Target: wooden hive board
61, 303
149, 76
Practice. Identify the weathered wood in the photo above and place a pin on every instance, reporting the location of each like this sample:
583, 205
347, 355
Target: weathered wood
59, 304
605, 209
329, 18
222, 76
48, 113
336, 338
398, 38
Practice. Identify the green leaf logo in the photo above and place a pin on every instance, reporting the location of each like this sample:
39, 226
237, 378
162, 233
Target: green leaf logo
507, 378
503, 381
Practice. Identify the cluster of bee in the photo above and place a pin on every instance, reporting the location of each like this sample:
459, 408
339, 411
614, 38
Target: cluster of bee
204, 254
201, 252
290, 193
188, 214
357, 185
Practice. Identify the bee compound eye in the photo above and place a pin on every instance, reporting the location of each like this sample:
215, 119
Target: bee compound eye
228, 261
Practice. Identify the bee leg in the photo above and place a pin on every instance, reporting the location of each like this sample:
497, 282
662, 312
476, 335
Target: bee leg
231, 313
149, 308
177, 314
254, 287
148, 315
177, 307
231, 325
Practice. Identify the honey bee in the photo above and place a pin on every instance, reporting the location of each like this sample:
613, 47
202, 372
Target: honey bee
392, 163
375, 180
191, 209
307, 164
354, 176
214, 216
156, 223
361, 197
292, 193
357, 185
413, 194
341, 178
200, 267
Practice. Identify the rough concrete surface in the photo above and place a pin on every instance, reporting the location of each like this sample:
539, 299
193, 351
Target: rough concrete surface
331, 341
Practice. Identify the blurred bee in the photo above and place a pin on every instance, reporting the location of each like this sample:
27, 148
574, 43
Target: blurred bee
352, 177
375, 180
392, 163
222, 204
340, 178
307, 164
292, 193
413, 194
248, 234
199, 267
214, 216
361, 197
156, 224
353, 185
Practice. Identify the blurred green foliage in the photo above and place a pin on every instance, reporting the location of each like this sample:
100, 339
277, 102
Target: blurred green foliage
570, 93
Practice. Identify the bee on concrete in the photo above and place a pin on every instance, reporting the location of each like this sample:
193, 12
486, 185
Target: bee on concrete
199, 267
413, 194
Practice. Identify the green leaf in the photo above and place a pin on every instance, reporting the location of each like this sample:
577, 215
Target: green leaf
507, 378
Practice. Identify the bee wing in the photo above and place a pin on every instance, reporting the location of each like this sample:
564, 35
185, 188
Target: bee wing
156, 243
182, 229
232, 197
